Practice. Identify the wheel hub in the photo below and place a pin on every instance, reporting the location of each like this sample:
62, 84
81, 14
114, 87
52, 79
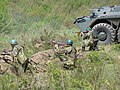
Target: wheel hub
102, 36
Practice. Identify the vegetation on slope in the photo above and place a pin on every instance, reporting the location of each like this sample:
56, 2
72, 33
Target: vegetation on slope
42, 20
95, 71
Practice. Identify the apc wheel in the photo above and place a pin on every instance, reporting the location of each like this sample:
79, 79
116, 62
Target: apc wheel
104, 32
118, 36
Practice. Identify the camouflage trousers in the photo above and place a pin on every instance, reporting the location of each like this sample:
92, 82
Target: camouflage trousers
90, 43
27, 67
86, 43
66, 61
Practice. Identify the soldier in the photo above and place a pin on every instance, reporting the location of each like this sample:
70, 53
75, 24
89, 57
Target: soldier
92, 40
94, 44
19, 59
57, 47
84, 40
70, 54
88, 40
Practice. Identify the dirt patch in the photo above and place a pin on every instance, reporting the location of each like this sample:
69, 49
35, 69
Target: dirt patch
42, 56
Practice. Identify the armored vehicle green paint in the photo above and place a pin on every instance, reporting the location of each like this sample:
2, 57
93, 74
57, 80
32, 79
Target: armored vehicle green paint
105, 23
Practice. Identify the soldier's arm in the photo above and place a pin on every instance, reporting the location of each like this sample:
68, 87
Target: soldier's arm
14, 52
62, 51
56, 48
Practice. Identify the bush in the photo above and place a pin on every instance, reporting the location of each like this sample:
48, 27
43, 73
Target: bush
92, 73
99, 57
8, 82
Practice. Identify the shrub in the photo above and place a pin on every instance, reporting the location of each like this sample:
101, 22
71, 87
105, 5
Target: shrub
92, 73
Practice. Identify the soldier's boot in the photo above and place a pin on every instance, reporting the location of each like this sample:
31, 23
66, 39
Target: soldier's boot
96, 48
91, 48
25, 65
83, 48
96, 45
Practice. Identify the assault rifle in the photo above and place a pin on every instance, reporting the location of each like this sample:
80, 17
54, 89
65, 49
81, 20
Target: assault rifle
59, 43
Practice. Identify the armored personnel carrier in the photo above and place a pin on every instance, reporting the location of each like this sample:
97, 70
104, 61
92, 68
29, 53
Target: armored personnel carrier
104, 22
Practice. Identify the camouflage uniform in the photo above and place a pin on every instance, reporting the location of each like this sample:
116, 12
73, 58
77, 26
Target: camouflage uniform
56, 49
93, 42
71, 55
18, 52
89, 41
19, 59
85, 40
68, 57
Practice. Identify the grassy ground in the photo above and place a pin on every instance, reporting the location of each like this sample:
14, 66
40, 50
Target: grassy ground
34, 20
95, 71
26, 20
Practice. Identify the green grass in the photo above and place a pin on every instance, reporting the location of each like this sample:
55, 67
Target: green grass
8, 82
95, 72
25, 20
116, 47
30, 20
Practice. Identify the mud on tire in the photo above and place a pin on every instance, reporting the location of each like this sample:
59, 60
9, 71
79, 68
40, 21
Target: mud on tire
109, 34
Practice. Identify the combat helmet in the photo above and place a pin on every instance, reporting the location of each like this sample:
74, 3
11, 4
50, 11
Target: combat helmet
69, 42
13, 41
88, 29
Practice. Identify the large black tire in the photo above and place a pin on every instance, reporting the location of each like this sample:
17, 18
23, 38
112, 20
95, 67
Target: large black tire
118, 36
105, 31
